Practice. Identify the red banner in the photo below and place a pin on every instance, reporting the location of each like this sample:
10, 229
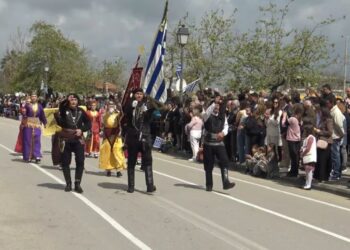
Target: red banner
134, 82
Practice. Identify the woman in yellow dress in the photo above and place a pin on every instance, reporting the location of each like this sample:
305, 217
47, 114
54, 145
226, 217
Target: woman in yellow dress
111, 150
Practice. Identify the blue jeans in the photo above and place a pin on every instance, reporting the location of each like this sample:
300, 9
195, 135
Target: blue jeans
241, 145
335, 156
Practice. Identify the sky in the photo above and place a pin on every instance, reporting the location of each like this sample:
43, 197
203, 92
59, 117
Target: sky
114, 28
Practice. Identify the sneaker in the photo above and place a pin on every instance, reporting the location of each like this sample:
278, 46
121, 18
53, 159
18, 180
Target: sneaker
58, 166
119, 174
191, 160
243, 164
307, 187
108, 173
333, 178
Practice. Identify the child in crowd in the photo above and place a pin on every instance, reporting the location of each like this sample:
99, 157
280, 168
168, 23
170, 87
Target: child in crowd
258, 154
264, 162
268, 165
309, 154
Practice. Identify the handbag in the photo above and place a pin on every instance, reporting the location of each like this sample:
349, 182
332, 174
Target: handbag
322, 144
200, 155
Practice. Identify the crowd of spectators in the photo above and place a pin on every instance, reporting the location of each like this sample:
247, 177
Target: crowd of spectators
266, 130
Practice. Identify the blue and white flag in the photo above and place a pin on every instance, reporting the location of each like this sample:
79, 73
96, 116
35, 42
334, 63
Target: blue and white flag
158, 142
190, 87
154, 81
178, 70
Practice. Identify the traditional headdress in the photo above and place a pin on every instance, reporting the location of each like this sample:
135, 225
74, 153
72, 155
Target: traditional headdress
136, 90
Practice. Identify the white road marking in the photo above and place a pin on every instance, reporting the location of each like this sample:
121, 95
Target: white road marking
257, 185
94, 207
262, 186
209, 226
318, 229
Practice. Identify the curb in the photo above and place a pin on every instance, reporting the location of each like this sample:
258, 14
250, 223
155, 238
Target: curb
342, 190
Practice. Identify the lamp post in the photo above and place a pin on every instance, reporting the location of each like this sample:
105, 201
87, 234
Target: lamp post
345, 62
46, 69
182, 38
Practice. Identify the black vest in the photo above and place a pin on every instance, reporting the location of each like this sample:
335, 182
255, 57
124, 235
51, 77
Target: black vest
214, 124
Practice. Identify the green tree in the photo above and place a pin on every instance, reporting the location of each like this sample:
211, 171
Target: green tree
206, 51
69, 69
9, 65
113, 72
272, 56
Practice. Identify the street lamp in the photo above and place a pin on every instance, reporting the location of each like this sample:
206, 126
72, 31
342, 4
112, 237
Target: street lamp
46, 69
182, 38
345, 61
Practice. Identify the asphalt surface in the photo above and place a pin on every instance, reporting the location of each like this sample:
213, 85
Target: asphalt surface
35, 212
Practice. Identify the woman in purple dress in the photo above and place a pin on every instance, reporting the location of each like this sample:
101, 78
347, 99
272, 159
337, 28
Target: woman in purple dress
33, 118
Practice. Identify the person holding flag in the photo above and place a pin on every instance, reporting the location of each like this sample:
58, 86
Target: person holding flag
138, 138
138, 111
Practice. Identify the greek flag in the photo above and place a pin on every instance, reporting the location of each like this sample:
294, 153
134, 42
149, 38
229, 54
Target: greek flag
190, 87
154, 82
158, 142
178, 70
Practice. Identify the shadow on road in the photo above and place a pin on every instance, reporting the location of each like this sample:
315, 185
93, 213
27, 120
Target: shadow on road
110, 185
16, 154
18, 160
50, 167
51, 185
189, 186
95, 173
119, 186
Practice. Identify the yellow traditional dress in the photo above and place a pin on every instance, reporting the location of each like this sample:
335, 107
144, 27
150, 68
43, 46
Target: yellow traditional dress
111, 152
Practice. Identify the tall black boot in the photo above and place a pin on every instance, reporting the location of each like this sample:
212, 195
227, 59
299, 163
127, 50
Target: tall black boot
149, 179
131, 180
67, 178
225, 180
77, 187
209, 180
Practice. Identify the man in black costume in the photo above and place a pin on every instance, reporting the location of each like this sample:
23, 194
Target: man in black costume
138, 138
216, 127
74, 122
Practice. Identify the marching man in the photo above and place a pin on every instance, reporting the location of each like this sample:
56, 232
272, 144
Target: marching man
138, 138
216, 127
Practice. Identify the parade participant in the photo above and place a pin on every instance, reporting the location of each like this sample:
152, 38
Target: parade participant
74, 122
216, 127
19, 143
33, 119
92, 147
111, 150
138, 114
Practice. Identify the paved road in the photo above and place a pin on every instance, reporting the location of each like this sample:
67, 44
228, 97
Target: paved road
35, 212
